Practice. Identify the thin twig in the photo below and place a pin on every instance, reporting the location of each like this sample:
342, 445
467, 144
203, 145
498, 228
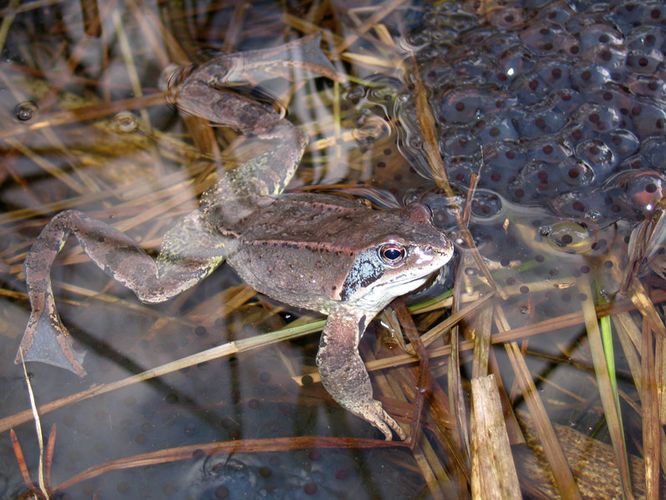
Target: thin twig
38, 428
423, 384
20, 460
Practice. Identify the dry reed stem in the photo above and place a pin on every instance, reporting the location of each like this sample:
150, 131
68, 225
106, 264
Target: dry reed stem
428, 462
173, 194
409, 328
231, 299
173, 19
207, 312
368, 61
660, 370
629, 335
309, 27
456, 317
55, 78
467, 209
90, 185
631, 338
457, 402
317, 11
50, 451
384, 35
126, 304
493, 471
510, 421
558, 387
650, 412
200, 130
641, 299
20, 460
481, 332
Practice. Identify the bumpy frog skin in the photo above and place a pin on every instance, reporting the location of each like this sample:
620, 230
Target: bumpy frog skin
316, 252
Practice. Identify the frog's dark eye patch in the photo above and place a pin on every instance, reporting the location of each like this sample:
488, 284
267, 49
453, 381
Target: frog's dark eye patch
366, 270
392, 253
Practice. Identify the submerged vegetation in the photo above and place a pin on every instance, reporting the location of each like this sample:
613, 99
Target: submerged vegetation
534, 365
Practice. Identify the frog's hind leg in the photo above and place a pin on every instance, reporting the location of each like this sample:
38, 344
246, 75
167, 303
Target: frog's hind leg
190, 252
270, 150
301, 58
343, 372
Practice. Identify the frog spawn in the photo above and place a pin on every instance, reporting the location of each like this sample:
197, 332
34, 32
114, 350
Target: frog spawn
549, 105
528, 249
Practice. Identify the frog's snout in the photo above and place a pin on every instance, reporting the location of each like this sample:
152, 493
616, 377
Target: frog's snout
444, 251
437, 255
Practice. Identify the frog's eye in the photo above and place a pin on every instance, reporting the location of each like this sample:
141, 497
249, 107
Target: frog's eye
392, 253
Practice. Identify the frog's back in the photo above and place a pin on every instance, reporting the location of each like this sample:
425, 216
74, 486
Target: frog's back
295, 248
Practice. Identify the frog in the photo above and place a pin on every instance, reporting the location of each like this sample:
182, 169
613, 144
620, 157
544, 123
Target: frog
319, 252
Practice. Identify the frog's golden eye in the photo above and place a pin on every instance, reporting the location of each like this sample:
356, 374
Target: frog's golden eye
392, 253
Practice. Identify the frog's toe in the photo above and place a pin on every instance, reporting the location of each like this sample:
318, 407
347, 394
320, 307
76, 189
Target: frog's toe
375, 414
46, 340
395, 426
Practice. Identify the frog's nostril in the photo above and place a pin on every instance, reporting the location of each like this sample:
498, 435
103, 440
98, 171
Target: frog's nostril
435, 251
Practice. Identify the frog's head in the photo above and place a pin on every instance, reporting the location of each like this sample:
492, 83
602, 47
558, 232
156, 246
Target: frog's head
397, 261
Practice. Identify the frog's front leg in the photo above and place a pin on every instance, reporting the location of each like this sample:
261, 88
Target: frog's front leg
190, 252
343, 373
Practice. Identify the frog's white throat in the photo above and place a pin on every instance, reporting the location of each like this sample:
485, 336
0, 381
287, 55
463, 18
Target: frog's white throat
378, 296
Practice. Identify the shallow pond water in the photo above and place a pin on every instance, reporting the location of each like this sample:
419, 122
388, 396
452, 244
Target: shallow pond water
534, 132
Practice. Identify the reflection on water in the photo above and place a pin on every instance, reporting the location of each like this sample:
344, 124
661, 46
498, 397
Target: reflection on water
553, 110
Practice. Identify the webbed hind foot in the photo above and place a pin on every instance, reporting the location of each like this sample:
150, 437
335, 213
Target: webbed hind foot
47, 340
374, 413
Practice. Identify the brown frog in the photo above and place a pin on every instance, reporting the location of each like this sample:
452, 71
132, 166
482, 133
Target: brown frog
317, 252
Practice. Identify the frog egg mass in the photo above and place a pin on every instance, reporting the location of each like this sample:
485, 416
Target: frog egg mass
549, 103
